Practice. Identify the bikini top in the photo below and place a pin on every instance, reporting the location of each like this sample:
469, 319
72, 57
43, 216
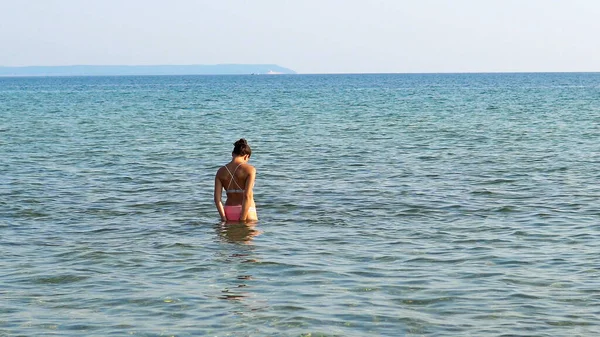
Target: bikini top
239, 188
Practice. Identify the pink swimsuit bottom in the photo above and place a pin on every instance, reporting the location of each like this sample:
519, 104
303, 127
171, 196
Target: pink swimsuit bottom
233, 213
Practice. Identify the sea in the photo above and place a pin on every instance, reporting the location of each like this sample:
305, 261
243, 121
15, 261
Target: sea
388, 204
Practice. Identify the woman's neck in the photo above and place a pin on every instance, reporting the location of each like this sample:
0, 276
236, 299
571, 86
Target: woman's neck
238, 160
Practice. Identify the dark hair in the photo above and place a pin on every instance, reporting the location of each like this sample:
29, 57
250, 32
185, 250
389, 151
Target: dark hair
241, 148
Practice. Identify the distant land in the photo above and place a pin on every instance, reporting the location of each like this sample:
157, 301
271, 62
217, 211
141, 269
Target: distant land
103, 70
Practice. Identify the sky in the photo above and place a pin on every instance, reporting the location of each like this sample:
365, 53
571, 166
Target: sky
308, 36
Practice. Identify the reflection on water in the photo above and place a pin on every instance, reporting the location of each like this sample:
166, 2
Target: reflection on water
227, 295
235, 291
237, 232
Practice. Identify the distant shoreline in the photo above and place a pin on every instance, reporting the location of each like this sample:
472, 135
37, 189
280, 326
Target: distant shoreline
147, 70
213, 70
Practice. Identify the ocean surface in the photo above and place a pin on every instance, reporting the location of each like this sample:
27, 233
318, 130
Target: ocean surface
389, 205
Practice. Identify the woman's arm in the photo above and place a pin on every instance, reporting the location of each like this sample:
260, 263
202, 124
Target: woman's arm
248, 193
217, 196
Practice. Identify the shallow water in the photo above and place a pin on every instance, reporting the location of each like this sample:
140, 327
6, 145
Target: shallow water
417, 205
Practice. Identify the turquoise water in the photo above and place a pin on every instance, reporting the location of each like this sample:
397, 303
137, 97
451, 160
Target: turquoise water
389, 205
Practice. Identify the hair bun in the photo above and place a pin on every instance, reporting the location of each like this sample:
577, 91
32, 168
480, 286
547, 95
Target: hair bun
241, 142
241, 148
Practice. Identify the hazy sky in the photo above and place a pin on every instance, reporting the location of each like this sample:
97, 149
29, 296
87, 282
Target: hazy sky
309, 36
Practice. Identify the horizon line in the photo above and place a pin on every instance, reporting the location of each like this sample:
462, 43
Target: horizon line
290, 68
311, 74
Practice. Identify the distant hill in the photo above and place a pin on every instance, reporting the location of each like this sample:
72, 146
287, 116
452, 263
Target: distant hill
99, 70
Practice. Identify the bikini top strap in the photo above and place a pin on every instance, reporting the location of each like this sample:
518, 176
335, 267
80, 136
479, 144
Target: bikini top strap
233, 177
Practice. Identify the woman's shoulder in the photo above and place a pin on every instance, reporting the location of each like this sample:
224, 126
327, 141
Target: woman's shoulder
248, 168
221, 170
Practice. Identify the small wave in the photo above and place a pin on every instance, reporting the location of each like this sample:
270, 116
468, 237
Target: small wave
59, 279
425, 302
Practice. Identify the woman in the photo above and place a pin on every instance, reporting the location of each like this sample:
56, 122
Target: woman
237, 178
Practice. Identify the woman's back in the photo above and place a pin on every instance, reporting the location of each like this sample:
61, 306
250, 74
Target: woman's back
233, 178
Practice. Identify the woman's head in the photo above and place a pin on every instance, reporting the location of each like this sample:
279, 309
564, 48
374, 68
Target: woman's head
241, 148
